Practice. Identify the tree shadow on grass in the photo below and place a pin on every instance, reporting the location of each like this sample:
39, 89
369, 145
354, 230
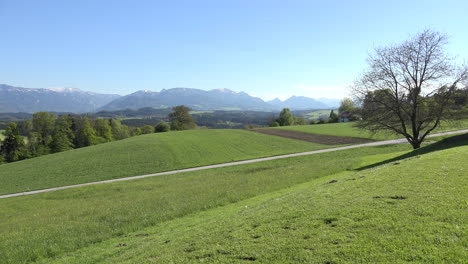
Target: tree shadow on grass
451, 142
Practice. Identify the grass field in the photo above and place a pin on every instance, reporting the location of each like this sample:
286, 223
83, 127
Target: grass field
405, 212
348, 130
58, 223
142, 155
200, 112
315, 115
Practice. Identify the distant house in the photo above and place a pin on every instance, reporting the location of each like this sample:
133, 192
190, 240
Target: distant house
348, 116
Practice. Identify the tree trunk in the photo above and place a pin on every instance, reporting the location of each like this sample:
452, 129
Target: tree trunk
416, 144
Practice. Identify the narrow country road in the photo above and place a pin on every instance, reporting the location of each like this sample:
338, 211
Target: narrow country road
378, 143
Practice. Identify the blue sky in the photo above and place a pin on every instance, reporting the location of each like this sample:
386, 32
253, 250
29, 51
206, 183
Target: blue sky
265, 48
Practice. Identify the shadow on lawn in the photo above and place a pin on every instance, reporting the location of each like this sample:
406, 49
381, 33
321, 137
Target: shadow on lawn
446, 143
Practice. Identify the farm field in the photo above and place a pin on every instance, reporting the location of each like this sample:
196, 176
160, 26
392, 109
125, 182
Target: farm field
338, 129
142, 155
347, 130
310, 137
159, 220
315, 115
70, 219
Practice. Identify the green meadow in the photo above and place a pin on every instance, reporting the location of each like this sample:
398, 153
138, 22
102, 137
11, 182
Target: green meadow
348, 130
410, 211
49, 225
339, 129
363, 205
315, 115
142, 155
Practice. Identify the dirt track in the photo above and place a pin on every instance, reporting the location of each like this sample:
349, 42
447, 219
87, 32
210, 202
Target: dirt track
314, 138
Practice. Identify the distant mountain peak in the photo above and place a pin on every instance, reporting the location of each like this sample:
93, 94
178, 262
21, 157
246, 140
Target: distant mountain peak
298, 103
63, 89
224, 90
275, 102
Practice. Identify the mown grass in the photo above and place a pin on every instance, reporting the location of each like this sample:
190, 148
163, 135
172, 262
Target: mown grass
142, 155
348, 130
413, 211
57, 223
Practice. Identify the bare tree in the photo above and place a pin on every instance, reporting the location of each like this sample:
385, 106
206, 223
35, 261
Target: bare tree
408, 88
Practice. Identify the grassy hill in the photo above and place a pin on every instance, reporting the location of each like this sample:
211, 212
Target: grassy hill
396, 213
373, 204
58, 223
348, 130
1, 134
142, 155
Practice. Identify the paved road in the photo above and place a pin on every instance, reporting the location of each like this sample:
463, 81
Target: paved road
378, 143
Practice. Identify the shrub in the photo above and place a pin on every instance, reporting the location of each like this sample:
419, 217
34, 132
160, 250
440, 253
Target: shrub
161, 127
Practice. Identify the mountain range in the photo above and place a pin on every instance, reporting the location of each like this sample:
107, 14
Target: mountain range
301, 103
218, 99
29, 100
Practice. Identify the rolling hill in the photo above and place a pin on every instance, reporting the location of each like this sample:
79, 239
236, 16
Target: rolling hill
67, 220
391, 214
375, 204
142, 155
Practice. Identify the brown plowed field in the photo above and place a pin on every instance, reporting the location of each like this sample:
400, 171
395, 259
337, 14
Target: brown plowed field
315, 138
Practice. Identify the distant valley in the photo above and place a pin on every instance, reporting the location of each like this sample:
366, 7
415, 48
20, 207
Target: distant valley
29, 100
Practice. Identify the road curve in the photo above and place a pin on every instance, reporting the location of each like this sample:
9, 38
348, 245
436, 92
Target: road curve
378, 143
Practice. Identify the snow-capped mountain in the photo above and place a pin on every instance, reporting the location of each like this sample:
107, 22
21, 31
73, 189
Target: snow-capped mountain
29, 100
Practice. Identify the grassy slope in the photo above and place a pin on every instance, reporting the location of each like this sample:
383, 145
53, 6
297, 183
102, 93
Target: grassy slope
1, 134
337, 129
143, 154
347, 130
55, 223
413, 211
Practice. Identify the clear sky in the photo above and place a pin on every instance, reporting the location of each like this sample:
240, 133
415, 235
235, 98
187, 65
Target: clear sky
271, 48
